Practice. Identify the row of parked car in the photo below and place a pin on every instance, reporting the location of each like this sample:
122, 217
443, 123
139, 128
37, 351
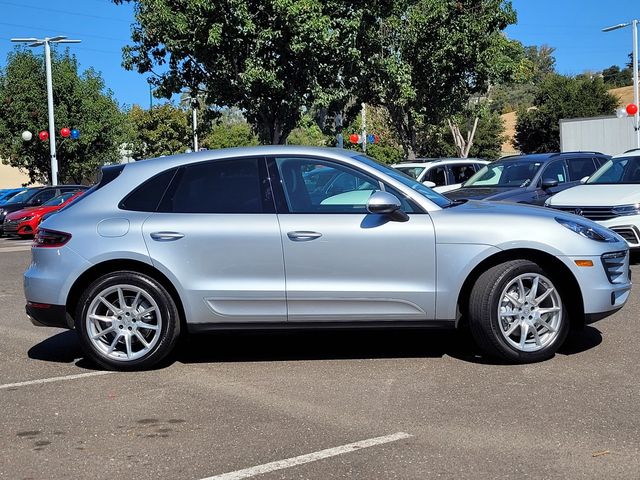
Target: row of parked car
23, 209
590, 184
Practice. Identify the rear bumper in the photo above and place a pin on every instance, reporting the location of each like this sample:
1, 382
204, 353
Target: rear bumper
46, 315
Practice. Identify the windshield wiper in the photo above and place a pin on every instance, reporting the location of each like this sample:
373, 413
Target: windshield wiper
455, 203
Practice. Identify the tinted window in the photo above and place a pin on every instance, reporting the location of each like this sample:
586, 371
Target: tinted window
413, 172
437, 175
43, 196
580, 168
461, 173
23, 196
347, 192
59, 200
555, 171
511, 173
229, 186
147, 196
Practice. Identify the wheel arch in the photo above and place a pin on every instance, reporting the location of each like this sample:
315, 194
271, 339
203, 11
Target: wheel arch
548, 262
110, 266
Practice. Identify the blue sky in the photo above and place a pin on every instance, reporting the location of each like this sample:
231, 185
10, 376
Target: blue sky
571, 26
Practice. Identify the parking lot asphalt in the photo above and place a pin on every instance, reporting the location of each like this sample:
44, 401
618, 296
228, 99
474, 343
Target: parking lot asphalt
422, 404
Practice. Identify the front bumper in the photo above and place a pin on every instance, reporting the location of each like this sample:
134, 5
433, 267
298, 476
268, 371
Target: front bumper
603, 294
46, 315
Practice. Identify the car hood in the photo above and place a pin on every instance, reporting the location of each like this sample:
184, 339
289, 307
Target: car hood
29, 211
597, 196
482, 193
512, 225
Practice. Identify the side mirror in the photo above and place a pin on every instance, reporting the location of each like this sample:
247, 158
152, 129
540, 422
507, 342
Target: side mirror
387, 204
583, 180
549, 183
429, 184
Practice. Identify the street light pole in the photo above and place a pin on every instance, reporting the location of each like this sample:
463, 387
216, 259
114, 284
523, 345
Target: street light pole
636, 96
36, 42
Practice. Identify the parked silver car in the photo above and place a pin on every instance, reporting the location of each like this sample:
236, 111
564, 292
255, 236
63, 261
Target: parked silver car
234, 239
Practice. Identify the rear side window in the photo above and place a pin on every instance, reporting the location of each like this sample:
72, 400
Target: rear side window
227, 186
461, 173
580, 168
147, 196
437, 175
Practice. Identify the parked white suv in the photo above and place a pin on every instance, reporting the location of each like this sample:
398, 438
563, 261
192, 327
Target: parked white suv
611, 197
441, 174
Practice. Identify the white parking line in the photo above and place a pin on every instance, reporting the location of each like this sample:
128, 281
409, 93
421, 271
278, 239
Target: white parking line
52, 379
310, 457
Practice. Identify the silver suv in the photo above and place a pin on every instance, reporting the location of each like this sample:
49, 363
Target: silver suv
241, 238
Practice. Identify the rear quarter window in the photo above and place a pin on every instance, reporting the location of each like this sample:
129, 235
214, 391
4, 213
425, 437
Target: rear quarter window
148, 196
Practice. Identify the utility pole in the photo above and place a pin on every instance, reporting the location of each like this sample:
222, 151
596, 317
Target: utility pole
36, 42
636, 97
194, 121
364, 127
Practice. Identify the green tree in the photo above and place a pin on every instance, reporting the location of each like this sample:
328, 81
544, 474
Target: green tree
270, 58
388, 150
161, 130
429, 56
230, 134
80, 101
615, 77
538, 129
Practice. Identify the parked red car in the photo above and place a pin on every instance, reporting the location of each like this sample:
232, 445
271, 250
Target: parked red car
24, 223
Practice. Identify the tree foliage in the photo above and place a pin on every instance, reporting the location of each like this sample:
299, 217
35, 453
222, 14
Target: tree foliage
615, 77
226, 134
161, 130
80, 101
270, 58
429, 56
558, 97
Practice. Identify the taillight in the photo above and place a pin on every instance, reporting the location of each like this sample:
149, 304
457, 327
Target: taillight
50, 238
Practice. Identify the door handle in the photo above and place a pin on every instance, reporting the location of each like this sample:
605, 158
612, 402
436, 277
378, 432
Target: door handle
166, 236
303, 236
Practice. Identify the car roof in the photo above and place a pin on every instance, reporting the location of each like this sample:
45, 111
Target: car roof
545, 157
440, 161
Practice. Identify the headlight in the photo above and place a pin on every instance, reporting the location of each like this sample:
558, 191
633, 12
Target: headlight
591, 232
25, 219
623, 210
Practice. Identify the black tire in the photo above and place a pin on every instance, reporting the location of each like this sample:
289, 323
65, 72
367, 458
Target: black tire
169, 330
484, 319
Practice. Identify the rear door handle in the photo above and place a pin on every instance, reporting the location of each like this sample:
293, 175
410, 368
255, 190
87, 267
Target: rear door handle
166, 236
303, 236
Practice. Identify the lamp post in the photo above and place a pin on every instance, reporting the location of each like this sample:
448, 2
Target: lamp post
36, 42
634, 25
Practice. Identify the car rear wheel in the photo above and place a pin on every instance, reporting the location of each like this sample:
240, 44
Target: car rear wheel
517, 312
127, 321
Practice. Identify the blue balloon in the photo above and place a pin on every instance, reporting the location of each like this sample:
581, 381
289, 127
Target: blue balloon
75, 133
371, 138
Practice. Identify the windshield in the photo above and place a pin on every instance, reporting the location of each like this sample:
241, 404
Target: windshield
623, 170
23, 197
505, 174
59, 200
413, 172
407, 180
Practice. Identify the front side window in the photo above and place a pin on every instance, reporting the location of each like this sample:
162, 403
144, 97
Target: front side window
461, 173
413, 172
437, 175
347, 191
59, 200
555, 171
43, 196
225, 186
618, 170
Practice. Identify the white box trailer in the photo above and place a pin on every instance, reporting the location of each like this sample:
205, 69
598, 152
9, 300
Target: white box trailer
610, 135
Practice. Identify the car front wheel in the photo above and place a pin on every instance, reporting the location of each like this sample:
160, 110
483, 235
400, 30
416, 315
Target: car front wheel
517, 313
127, 321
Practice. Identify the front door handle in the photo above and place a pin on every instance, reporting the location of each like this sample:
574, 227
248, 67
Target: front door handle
303, 236
166, 236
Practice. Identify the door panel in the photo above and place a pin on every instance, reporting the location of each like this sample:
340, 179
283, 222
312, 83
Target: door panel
344, 264
230, 266
363, 267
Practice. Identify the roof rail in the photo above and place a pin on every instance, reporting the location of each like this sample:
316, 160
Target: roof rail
632, 150
580, 151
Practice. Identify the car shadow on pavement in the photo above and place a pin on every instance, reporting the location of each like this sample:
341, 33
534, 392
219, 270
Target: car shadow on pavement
310, 345
347, 344
63, 347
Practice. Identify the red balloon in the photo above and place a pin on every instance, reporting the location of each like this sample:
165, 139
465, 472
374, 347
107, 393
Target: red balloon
632, 109
44, 135
354, 137
65, 132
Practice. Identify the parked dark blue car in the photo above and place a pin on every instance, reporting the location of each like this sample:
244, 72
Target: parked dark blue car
529, 178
